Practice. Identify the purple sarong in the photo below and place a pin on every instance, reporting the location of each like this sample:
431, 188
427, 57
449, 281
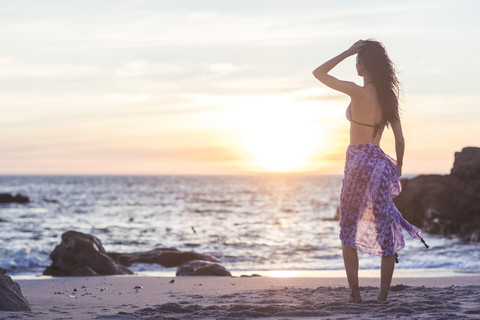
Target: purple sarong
369, 220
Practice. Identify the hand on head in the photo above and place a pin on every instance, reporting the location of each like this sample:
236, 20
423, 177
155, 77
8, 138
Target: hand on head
355, 48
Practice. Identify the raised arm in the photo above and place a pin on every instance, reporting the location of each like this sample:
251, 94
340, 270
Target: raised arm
321, 73
399, 144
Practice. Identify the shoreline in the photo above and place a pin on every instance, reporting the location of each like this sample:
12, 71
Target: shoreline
363, 273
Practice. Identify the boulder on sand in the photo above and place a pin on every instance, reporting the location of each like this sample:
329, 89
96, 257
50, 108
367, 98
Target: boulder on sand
202, 268
81, 254
11, 298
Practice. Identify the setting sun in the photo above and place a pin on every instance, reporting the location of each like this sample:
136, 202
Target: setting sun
276, 135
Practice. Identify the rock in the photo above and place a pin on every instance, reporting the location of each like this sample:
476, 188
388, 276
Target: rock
81, 254
8, 198
467, 163
167, 257
11, 298
446, 204
202, 268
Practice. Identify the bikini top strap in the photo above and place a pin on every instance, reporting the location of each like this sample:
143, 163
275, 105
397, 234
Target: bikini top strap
377, 127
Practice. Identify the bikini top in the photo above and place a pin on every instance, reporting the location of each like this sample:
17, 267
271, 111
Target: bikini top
378, 127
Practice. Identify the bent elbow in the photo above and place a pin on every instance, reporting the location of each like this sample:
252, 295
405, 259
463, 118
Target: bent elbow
318, 74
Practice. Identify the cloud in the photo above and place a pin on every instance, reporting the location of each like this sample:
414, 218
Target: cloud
225, 68
64, 157
206, 153
148, 26
318, 94
11, 67
140, 68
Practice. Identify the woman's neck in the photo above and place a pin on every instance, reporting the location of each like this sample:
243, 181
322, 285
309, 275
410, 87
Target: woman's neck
367, 80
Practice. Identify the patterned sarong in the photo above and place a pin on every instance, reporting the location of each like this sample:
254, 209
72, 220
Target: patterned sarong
369, 221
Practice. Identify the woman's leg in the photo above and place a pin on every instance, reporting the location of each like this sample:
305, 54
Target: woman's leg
386, 273
350, 259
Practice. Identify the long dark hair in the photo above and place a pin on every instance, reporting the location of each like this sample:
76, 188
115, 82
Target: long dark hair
377, 63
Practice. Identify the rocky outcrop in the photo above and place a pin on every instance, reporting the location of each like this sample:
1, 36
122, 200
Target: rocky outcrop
202, 268
166, 257
8, 198
11, 298
446, 204
81, 254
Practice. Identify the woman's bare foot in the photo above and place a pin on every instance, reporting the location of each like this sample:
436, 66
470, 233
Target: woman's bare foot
355, 298
381, 298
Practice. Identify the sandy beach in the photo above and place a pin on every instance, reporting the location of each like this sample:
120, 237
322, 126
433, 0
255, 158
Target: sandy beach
445, 296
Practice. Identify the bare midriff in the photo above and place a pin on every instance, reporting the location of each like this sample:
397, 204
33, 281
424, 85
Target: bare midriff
363, 135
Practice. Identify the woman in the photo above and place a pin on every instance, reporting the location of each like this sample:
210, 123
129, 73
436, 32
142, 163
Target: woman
369, 221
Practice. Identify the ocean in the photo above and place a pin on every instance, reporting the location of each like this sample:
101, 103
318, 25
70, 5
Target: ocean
249, 222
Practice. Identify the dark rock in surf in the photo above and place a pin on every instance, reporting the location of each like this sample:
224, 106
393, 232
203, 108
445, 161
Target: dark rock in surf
202, 268
167, 257
48, 200
81, 254
11, 297
8, 198
446, 204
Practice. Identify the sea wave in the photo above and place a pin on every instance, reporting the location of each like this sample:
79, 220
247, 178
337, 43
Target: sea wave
248, 222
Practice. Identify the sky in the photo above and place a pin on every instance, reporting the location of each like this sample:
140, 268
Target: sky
224, 87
